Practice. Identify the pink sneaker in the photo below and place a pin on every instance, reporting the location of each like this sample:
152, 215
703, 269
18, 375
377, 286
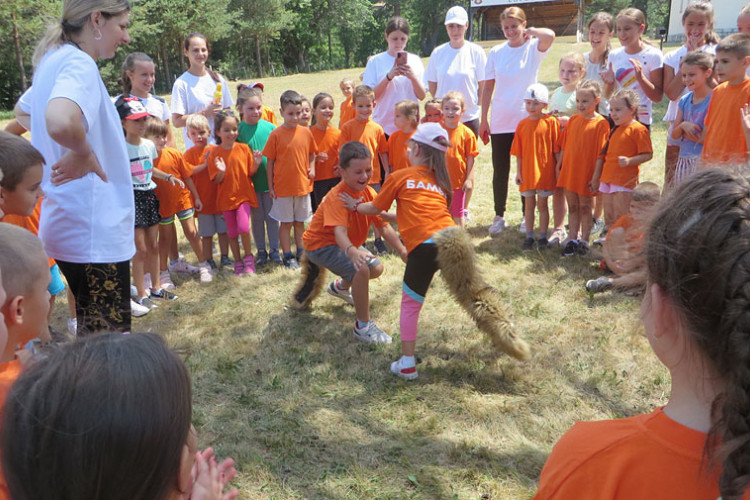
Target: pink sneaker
181, 266
239, 268
249, 263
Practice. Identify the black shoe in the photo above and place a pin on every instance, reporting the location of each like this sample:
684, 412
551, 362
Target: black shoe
570, 249
262, 258
528, 244
542, 244
276, 257
380, 248
212, 264
583, 248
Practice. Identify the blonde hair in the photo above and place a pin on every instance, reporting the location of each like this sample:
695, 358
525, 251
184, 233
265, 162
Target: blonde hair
515, 13
155, 127
592, 86
745, 10
409, 109
346, 80
634, 16
75, 15
630, 97
198, 122
454, 95
19, 249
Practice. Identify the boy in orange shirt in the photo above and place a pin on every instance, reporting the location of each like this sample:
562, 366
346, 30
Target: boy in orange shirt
175, 201
346, 112
369, 133
406, 119
334, 241
210, 219
290, 151
536, 148
724, 137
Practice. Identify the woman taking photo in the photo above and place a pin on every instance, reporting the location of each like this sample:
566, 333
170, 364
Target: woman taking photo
511, 68
394, 77
87, 170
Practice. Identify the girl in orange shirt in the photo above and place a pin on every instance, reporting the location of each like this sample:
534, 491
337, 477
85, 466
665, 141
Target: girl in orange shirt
424, 194
618, 166
460, 157
695, 314
406, 119
231, 166
583, 139
327, 139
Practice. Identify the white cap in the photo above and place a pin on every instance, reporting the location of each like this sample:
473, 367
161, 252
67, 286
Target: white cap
457, 15
428, 133
537, 92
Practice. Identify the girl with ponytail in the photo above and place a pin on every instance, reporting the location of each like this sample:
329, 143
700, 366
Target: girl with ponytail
696, 313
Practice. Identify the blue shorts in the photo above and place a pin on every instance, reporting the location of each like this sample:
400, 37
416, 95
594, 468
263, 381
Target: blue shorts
56, 284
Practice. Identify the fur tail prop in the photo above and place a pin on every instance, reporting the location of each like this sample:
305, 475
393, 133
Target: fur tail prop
481, 301
310, 284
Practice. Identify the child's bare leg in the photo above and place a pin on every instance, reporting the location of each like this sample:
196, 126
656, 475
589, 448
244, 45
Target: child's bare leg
223, 244
208, 246
584, 204
139, 259
191, 234
71, 303
621, 203
609, 209
615, 249
361, 293
174, 252
151, 264
671, 155
247, 243
529, 212
285, 237
543, 214
234, 245
408, 347
559, 208
299, 228
165, 244
598, 206
574, 214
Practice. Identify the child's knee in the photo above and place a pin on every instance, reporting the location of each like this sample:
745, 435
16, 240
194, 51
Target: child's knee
376, 271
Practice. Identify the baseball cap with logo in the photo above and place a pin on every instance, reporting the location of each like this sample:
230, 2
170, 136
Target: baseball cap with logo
537, 92
130, 108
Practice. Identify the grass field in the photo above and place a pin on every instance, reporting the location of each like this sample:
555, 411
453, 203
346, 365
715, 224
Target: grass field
308, 412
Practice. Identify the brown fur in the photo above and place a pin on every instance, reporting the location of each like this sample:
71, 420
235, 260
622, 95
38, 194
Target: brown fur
312, 280
481, 301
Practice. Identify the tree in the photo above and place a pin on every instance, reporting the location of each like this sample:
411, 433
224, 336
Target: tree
261, 21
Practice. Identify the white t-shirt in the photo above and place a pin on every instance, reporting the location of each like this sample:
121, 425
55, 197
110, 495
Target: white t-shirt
513, 69
86, 220
592, 73
673, 59
142, 158
191, 94
156, 106
651, 59
459, 70
399, 89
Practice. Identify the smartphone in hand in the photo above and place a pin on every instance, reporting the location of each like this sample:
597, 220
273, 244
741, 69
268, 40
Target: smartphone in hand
401, 58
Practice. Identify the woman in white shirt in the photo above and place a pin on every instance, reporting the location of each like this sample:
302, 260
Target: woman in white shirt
394, 80
195, 91
458, 65
511, 68
87, 218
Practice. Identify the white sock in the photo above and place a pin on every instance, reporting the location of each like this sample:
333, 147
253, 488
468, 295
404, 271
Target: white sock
408, 360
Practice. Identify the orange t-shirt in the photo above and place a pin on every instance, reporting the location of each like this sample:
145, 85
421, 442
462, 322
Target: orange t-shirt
463, 145
582, 141
331, 213
172, 199
347, 111
30, 223
268, 115
237, 187
630, 140
646, 456
422, 204
536, 142
397, 156
326, 141
9, 372
204, 186
371, 135
290, 148
725, 136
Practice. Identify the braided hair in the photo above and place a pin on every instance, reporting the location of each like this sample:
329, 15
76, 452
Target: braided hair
698, 252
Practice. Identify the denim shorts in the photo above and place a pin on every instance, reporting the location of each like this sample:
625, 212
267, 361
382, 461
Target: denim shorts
335, 260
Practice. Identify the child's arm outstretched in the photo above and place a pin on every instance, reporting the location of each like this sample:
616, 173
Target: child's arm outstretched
628, 161
160, 174
391, 236
191, 187
356, 205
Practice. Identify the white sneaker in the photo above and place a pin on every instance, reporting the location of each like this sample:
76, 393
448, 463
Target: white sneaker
402, 370
497, 226
165, 281
558, 236
73, 326
371, 334
181, 266
522, 227
205, 272
138, 310
345, 295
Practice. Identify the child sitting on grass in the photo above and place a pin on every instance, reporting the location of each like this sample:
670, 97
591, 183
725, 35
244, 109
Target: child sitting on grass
623, 248
334, 241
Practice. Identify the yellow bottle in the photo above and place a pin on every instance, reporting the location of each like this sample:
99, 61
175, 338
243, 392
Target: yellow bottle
217, 94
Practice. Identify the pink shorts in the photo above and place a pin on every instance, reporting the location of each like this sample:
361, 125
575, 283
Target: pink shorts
458, 204
238, 220
607, 188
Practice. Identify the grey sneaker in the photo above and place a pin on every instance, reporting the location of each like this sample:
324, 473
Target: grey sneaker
497, 226
371, 334
345, 295
599, 285
162, 294
226, 262
142, 303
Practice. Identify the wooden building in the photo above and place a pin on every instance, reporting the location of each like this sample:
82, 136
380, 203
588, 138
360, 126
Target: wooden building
565, 17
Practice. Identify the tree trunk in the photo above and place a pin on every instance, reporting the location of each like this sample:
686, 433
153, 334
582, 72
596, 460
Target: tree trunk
165, 62
330, 49
258, 60
19, 52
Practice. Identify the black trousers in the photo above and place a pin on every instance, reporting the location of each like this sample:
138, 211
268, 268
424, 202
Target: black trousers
501, 144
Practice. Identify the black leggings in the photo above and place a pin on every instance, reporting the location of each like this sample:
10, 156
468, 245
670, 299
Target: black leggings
501, 144
102, 294
421, 266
